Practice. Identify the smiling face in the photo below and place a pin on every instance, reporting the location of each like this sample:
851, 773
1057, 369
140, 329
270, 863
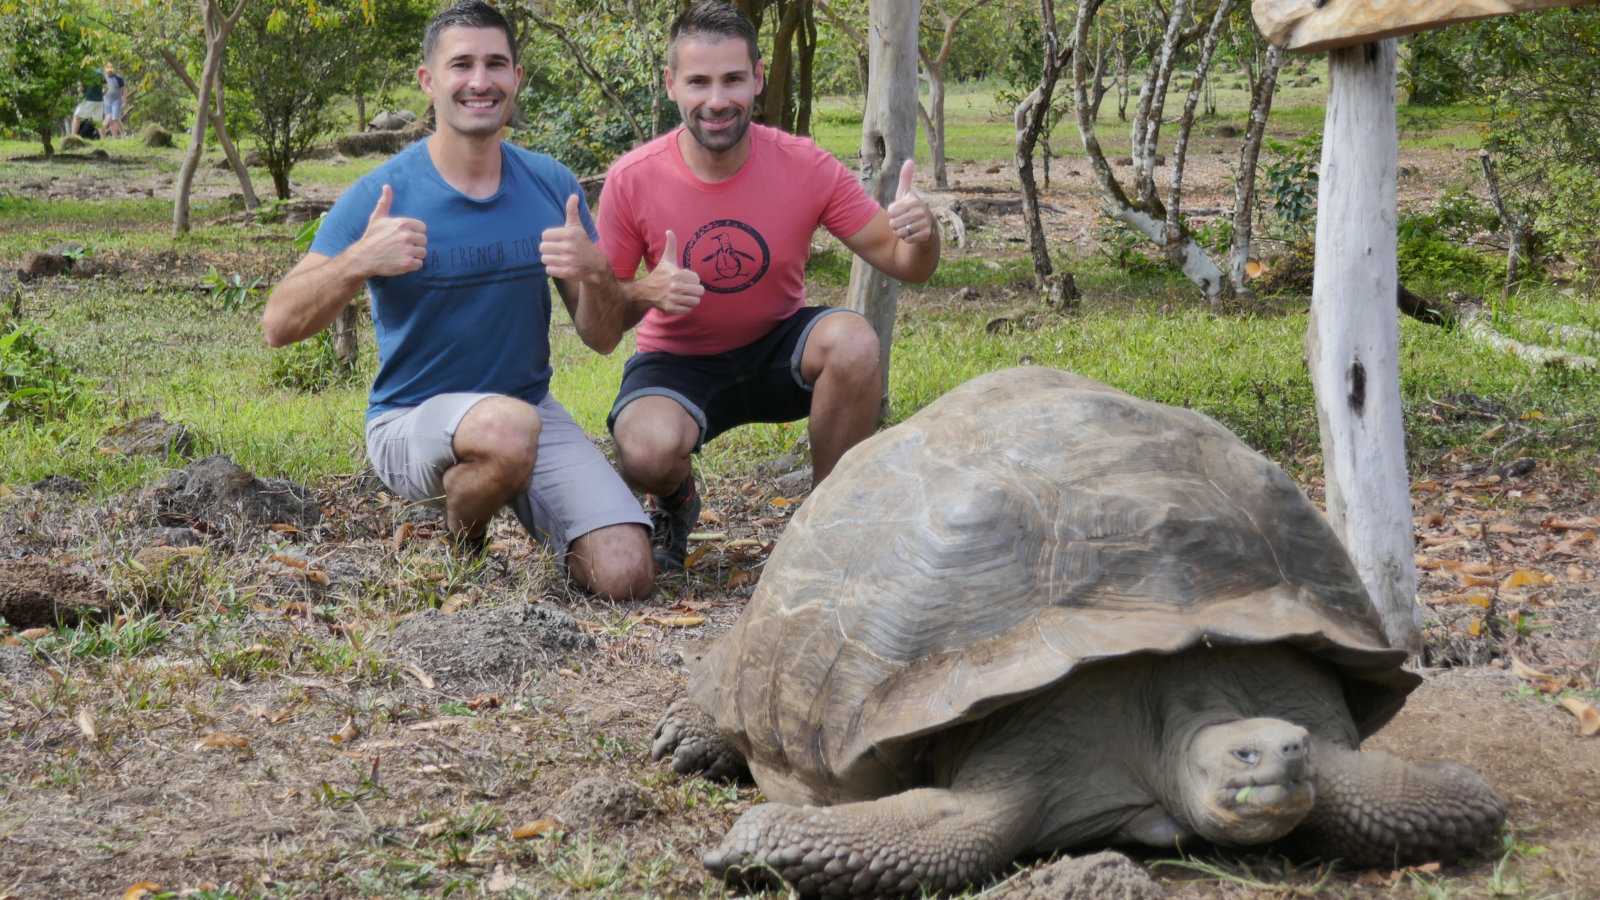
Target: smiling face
472, 80
715, 83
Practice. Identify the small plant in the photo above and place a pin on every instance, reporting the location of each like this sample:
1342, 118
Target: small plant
310, 366
1290, 182
233, 293
35, 384
308, 233
1121, 244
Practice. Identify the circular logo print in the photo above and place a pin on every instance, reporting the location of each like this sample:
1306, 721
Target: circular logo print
728, 255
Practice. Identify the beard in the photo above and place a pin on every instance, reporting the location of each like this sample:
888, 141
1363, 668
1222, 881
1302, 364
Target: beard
717, 141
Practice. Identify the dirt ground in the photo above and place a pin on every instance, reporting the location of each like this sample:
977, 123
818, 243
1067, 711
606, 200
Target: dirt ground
343, 707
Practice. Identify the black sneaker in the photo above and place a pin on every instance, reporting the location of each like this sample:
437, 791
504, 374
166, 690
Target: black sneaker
670, 529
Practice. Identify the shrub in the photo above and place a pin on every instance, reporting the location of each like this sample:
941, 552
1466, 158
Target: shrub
35, 384
310, 366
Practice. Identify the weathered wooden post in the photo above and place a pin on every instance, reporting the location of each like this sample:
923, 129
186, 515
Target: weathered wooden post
888, 139
1352, 346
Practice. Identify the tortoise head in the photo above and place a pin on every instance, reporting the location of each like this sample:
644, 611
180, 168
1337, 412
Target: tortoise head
1247, 781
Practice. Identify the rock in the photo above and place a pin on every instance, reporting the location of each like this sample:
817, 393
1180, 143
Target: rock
215, 490
1518, 468
148, 436
35, 592
479, 648
16, 664
600, 802
175, 536
44, 265
61, 484
1100, 876
379, 141
155, 136
391, 121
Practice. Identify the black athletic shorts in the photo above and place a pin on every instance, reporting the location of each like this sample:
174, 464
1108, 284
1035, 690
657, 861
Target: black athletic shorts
759, 382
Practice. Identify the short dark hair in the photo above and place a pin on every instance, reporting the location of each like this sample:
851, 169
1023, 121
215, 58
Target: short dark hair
466, 14
716, 19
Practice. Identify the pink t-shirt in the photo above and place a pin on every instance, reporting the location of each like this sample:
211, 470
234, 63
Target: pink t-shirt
748, 237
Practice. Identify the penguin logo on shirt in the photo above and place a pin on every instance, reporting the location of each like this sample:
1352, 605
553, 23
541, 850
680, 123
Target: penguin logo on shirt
729, 256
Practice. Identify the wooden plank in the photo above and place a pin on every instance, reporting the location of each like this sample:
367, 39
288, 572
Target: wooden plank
1326, 24
1353, 343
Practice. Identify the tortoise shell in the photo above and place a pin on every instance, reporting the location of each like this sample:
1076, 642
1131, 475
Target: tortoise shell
1026, 524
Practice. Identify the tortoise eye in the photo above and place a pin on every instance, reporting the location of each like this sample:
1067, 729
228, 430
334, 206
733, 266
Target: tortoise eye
1247, 756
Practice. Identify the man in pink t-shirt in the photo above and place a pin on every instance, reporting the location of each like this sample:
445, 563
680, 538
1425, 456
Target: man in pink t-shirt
721, 213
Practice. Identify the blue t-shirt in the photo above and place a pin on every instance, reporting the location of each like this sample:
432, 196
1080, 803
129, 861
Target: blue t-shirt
476, 316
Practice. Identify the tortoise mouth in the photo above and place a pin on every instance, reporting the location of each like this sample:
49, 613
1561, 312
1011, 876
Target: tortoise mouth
1246, 812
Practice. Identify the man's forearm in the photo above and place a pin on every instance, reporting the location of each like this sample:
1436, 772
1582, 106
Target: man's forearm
917, 262
309, 298
606, 309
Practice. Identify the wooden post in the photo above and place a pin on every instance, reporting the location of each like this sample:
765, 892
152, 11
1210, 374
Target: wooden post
1353, 343
888, 139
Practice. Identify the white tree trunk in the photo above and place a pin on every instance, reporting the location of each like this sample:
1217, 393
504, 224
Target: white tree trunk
1353, 343
888, 139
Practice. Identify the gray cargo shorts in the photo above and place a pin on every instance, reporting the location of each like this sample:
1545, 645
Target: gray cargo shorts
574, 490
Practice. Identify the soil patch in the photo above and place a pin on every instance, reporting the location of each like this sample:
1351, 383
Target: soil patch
484, 649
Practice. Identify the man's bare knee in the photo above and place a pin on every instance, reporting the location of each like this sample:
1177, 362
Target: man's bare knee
614, 562
843, 347
654, 435
503, 432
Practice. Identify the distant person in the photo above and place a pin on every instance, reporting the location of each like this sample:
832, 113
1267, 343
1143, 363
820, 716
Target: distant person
457, 237
722, 211
115, 101
89, 110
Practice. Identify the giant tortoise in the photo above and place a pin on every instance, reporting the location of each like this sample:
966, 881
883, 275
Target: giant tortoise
1041, 613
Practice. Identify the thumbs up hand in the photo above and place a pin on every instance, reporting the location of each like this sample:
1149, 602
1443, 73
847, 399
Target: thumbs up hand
909, 214
567, 251
392, 245
669, 288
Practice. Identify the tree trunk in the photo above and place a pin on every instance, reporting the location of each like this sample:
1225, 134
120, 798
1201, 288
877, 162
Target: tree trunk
1244, 189
888, 139
1177, 246
346, 334
361, 111
1060, 291
44, 140
1352, 346
808, 60
220, 127
1518, 244
217, 28
935, 124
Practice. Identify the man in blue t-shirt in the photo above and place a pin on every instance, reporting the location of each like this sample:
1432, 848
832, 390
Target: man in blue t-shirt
456, 237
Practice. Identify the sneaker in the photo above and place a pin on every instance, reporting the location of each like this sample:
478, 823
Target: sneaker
669, 532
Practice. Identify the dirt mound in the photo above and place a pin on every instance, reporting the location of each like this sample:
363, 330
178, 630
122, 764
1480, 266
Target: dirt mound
600, 802
215, 491
1099, 876
478, 648
150, 436
37, 593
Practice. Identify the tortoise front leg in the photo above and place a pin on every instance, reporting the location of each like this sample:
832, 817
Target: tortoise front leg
696, 745
924, 839
1374, 809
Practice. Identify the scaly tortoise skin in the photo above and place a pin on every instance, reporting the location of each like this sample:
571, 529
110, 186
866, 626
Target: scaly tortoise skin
1042, 613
